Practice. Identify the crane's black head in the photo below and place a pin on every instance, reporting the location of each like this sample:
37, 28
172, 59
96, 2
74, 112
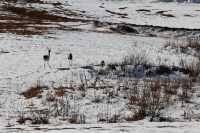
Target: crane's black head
49, 51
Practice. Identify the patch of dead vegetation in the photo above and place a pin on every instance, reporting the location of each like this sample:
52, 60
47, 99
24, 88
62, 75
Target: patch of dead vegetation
34, 91
34, 14
60, 91
29, 21
27, 1
22, 28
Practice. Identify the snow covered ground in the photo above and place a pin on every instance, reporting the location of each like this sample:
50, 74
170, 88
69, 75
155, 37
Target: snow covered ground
136, 127
22, 57
145, 12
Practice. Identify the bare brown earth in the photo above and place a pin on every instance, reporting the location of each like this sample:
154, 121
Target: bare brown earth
30, 21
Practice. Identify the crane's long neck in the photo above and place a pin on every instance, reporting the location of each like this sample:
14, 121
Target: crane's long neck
49, 53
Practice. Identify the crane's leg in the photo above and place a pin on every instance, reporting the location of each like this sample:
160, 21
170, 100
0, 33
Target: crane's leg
70, 63
44, 64
49, 65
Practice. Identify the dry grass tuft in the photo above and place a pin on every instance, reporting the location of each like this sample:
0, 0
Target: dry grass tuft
193, 43
59, 92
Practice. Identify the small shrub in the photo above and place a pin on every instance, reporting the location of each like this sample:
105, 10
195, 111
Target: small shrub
114, 119
112, 67
23, 120
59, 92
163, 69
191, 68
148, 101
186, 85
40, 120
102, 117
170, 90
133, 100
136, 59
77, 119
135, 117
97, 99
40, 116
184, 44
50, 97
162, 119
35, 117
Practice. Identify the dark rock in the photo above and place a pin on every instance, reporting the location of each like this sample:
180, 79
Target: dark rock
122, 28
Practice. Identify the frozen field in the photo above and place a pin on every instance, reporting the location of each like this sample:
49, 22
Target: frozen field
137, 127
22, 65
145, 12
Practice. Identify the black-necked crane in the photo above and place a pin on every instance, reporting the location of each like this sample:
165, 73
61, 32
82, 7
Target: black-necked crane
102, 63
46, 58
70, 58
